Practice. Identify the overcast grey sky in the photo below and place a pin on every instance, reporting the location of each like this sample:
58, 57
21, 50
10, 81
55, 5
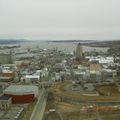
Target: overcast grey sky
60, 19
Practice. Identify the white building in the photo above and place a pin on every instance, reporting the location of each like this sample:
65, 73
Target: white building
102, 60
30, 78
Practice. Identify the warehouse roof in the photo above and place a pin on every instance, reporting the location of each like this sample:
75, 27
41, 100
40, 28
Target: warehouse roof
21, 88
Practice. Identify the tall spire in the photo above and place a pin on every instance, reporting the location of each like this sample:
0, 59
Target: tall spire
79, 51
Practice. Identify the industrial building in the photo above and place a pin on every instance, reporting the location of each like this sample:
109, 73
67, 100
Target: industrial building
22, 93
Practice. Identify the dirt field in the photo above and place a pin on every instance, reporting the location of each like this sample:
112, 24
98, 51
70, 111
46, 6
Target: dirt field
63, 107
114, 95
110, 115
79, 116
72, 111
111, 90
52, 116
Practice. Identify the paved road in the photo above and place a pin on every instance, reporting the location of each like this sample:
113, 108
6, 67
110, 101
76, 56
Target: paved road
40, 107
40, 111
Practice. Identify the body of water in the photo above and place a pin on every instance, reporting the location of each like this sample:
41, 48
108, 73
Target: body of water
60, 46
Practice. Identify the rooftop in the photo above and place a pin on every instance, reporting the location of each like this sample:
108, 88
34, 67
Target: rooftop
20, 88
4, 97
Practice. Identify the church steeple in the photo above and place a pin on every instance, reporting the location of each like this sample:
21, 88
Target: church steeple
79, 51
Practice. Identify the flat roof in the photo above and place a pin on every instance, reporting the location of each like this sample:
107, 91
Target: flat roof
32, 76
4, 97
21, 88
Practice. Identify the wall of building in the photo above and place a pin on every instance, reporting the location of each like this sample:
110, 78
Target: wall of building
5, 104
17, 99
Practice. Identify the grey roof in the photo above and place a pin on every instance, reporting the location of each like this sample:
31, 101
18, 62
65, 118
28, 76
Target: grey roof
4, 97
21, 88
25, 55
